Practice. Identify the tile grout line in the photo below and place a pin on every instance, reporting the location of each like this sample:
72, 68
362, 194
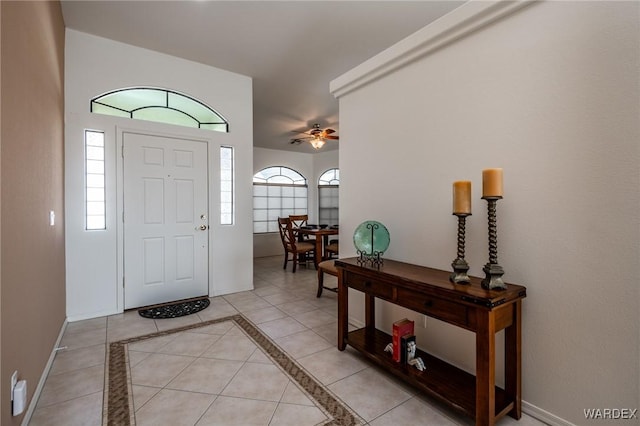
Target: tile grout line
323, 396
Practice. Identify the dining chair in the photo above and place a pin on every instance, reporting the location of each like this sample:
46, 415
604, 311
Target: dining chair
299, 250
326, 267
332, 249
298, 221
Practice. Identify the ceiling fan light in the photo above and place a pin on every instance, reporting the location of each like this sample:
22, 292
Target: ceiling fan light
317, 143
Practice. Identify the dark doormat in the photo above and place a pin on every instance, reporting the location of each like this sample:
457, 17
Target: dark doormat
175, 309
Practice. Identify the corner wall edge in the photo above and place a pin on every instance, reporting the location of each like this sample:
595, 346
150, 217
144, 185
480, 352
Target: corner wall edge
453, 26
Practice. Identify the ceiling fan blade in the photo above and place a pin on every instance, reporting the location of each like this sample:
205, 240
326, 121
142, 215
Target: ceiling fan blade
315, 132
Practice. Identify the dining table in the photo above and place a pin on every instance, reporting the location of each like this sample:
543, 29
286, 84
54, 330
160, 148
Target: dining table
321, 235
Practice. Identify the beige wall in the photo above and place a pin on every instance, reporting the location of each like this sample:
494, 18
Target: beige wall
551, 94
32, 266
1, 392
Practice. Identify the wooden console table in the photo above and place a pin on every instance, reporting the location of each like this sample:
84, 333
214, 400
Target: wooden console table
429, 292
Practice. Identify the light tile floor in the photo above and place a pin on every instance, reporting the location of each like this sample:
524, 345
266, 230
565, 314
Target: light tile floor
208, 376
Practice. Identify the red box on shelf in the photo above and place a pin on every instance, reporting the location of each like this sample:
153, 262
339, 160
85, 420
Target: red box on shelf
400, 328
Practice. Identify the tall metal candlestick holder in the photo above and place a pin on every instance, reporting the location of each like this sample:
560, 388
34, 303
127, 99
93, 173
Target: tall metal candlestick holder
459, 265
493, 271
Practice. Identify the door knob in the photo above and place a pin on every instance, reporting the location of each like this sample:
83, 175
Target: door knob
202, 228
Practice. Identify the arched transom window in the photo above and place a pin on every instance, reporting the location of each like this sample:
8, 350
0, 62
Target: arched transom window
159, 105
330, 177
277, 192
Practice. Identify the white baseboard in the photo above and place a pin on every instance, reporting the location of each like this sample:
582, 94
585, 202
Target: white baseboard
356, 323
43, 378
91, 315
543, 415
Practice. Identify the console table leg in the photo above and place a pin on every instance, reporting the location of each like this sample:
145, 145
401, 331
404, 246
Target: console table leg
343, 309
485, 368
370, 311
513, 362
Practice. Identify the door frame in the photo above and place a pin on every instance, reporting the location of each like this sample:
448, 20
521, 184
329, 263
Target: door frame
120, 131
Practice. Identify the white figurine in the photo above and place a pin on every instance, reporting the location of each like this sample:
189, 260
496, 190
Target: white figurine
418, 363
411, 351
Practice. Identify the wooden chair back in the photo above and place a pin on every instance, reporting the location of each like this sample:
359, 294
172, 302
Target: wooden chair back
286, 234
300, 251
299, 220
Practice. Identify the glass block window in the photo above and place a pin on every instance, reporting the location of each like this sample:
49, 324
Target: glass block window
226, 185
328, 188
159, 105
277, 192
95, 217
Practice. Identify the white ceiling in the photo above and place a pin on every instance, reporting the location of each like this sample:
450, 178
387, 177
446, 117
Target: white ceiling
291, 49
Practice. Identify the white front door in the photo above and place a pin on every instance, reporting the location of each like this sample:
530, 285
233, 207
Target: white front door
165, 219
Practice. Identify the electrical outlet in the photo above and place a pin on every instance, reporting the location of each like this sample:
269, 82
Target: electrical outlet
14, 380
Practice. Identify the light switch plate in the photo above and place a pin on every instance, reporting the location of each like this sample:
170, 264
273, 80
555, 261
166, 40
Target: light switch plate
14, 380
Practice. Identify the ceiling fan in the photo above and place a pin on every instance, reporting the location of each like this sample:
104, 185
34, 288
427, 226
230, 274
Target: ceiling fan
316, 135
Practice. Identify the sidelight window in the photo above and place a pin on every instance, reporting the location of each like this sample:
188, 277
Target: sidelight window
226, 185
95, 217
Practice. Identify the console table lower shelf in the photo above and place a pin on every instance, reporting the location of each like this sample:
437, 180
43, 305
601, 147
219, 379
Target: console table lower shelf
440, 380
429, 292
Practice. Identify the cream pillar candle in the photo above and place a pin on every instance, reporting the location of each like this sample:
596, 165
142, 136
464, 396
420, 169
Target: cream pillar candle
492, 183
462, 197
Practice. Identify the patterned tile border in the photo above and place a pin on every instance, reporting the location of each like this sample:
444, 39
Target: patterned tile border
118, 401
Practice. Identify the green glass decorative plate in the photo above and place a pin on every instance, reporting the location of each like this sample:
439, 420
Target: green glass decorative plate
371, 237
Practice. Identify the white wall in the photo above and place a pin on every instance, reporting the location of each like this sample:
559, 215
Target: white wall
95, 65
549, 93
311, 166
323, 161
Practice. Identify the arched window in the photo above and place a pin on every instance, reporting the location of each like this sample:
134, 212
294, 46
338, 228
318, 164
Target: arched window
277, 192
159, 105
328, 186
